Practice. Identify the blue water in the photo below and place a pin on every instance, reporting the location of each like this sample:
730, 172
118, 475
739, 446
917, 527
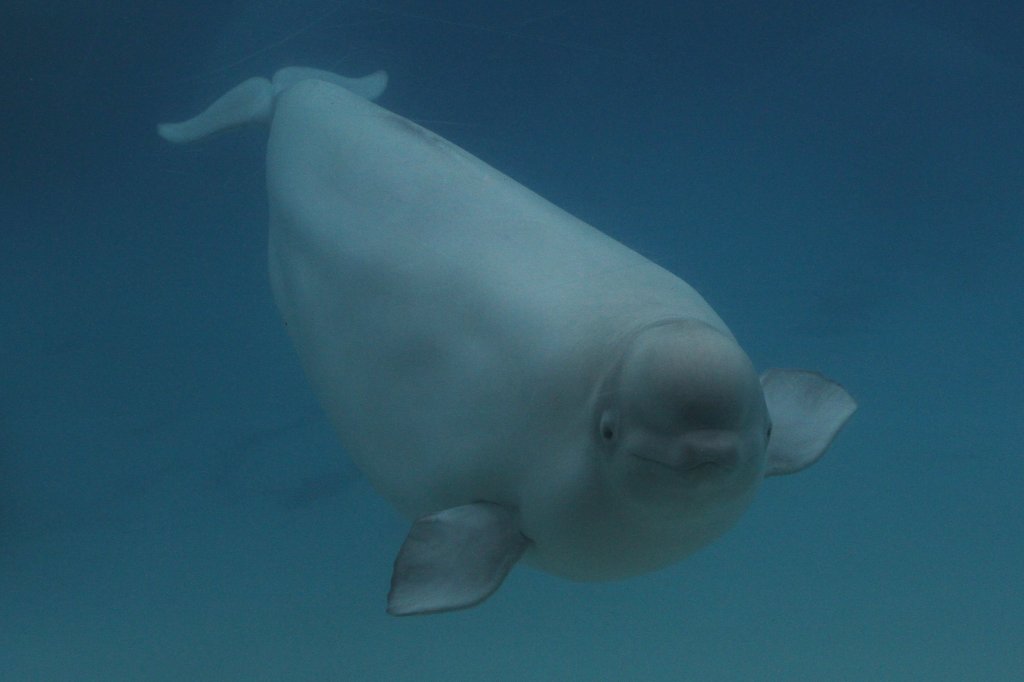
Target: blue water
844, 182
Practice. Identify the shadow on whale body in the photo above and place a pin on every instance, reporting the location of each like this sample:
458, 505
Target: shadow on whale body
515, 382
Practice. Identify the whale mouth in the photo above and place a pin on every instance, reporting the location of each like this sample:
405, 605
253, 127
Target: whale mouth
701, 452
686, 465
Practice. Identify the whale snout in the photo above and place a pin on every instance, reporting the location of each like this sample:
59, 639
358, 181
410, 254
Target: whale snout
711, 447
706, 450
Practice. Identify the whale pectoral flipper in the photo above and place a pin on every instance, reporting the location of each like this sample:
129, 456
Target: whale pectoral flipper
807, 410
455, 559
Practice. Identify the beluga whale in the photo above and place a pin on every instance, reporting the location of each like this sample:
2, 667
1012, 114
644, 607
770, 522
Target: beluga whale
519, 385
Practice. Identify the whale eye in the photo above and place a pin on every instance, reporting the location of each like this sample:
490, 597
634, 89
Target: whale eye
768, 432
607, 426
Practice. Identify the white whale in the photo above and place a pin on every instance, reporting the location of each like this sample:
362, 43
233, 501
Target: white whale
510, 378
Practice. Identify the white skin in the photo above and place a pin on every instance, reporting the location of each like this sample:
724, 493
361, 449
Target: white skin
460, 329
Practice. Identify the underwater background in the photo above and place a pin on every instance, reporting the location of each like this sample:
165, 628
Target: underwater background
844, 183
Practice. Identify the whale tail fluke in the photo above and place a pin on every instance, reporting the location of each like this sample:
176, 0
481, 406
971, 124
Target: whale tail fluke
248, 102
253, 102
369, 87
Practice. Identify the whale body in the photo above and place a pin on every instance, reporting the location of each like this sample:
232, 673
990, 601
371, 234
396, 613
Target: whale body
516, 383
